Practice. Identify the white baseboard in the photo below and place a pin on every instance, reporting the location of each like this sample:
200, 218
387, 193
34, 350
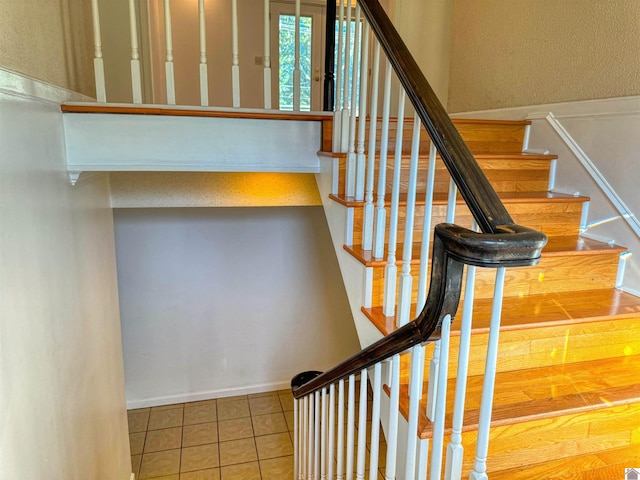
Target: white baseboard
208, 395
18, 84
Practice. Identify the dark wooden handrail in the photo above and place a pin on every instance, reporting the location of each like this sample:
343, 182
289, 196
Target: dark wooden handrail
502, 243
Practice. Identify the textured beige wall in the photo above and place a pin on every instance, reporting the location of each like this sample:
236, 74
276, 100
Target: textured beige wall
516, 52
51, 41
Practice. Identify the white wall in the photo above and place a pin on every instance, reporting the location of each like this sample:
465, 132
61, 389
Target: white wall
222, 301
607, 131
62, 404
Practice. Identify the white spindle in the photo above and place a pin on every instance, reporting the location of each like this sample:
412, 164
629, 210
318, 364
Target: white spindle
351, 157
296, 65
391, 269
267, 57
168, 65
362, 426
362, 124
340, 456
296, 440
423, 458
455, 451
98, 62
367, 228
381, 212
312, 438
415, 395
344, 137
316, 438
479, 471
235, 55
323, 436
204, 77
394, 403
451, 201
432, 387
441, 401
423, 277
375, 419
406, 281
332, 431
351, 420
337, 110
136, 82
305, 438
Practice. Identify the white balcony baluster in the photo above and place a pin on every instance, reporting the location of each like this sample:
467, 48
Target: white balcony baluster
316, 438
391, 269
362, 124
337, 109
423, 277
362, 426
323, 436
235, 56
340, 453
296, 440
344, 122
267, 58
305, 438
168, 65
375, 420
351, 156
351, 420
367, 228
204, 77
332, 431
394, 405
415, 395
98, 62
296, 64
136, 82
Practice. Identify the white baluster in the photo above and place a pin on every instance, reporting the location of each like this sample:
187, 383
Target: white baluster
381, 212
296, 64
305, 438
423, 459
441, 401
344, 136
423, 277
296, 440
337, 110
432, 387
136, 82
451, 201
351, 156
367, 228
235, 55
168, 65
391, 269
362, 426
406, 281
340, 459
98, 62
323, 436
479, 471
332, 432
204, 76
351, 420
316, 439
362, 124
415, 395
375, 420
394, 403
455, 451
267, 58
312, 438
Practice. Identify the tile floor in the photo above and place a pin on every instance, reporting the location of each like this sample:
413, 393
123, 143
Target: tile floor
237, 438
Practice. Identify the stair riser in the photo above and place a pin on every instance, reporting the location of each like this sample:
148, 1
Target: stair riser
543, 347
553, 218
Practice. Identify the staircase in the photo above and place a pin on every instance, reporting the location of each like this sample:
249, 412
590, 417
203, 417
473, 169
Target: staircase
567, 395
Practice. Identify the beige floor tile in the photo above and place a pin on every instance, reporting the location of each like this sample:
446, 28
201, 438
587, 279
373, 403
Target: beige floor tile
160, 419
288, 416
199, 458
199, 434
235, 429
165, 439
268, 424
243, 471
276, 445
160, 464
138, 420
264, 405
135, 464
237, 451
233, 407
208, 474
277, 468
201, 413
262, 394
167, 477
286, 400
168, 407
202, 402
136, 442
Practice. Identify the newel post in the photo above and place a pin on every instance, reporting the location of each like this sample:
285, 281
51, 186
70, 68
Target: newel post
329, 57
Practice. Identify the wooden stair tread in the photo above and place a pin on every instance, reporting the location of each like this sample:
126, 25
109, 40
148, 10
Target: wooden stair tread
478, 156
547, 392
441, 198
558, 308
556, 245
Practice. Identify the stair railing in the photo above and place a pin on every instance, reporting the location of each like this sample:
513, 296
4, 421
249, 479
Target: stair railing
491, 241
